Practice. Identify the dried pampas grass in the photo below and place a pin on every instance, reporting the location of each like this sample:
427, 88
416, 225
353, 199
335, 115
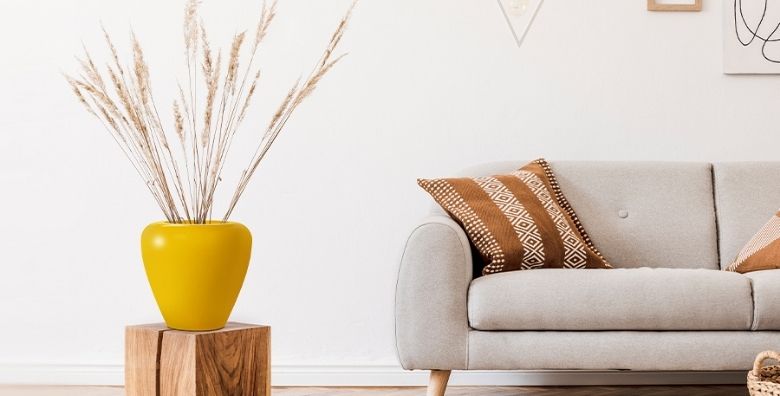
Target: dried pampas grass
184, 178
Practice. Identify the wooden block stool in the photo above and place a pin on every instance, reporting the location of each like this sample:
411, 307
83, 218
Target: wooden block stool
233, 361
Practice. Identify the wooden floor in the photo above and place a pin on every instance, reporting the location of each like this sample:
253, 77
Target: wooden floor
528, 391
709, 390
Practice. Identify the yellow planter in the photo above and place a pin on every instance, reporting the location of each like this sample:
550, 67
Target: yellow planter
196, 271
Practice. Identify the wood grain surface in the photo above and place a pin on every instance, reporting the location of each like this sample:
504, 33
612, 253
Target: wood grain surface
437, 384
142, 344
233, 361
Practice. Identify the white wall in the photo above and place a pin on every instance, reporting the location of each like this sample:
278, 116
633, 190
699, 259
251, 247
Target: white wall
429, 86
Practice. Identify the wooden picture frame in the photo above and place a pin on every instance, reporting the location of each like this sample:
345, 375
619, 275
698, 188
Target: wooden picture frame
652, 5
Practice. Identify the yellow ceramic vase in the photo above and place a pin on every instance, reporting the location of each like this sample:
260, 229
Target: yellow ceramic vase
196, 271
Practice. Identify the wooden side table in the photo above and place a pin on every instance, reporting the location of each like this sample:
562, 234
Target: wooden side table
234, 361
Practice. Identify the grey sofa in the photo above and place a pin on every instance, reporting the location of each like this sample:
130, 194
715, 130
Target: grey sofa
667, 228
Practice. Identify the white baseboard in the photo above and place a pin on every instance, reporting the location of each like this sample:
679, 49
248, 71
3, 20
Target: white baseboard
51, 374
61, 374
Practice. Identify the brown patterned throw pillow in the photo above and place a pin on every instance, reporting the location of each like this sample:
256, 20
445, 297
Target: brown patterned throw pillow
762, 252
517, 221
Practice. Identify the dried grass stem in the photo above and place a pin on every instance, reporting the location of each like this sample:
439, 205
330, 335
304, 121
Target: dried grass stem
183, 179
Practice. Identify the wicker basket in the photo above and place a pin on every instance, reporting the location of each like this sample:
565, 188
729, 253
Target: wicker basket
764, 381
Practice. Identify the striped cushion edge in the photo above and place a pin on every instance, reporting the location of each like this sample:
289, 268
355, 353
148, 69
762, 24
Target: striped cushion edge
762, 252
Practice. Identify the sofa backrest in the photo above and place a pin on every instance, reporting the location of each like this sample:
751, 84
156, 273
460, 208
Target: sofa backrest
639, 214
747, 194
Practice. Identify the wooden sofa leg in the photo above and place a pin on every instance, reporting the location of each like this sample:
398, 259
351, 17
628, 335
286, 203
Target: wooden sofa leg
438, 382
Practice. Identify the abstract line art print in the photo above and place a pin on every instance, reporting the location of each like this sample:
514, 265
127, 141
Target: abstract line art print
751, 36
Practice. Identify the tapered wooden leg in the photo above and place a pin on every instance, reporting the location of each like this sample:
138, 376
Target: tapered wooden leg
438, 382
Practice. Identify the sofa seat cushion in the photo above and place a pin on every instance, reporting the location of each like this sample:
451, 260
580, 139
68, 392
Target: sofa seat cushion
615, 299
766, 299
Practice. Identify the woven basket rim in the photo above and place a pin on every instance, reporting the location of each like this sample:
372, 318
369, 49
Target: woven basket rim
761, 381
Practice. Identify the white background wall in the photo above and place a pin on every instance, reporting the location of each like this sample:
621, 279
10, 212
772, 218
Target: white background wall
429, 86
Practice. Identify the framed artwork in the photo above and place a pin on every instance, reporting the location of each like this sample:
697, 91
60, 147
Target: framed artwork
751, 37
519, 15
677, 5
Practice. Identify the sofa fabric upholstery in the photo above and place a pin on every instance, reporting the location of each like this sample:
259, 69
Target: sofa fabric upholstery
747, 194
766, 299
626, 350
430, 304
616, 299
640, 214
659, 215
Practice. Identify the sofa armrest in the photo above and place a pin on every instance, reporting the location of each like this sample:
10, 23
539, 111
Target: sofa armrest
431, 318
